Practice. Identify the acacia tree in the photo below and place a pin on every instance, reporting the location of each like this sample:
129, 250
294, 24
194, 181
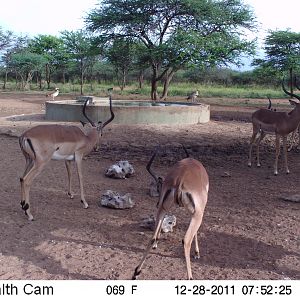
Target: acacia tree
282, 50
121, 56
17, 44
80, 48
176, 33
25, 64
49, 46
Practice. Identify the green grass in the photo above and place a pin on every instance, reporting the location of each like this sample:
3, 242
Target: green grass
175, 90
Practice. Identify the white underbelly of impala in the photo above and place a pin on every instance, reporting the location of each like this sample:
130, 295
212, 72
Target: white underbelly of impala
58, 156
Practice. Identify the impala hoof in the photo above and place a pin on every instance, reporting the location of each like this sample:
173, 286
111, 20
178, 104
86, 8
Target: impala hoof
85, 205
71, 196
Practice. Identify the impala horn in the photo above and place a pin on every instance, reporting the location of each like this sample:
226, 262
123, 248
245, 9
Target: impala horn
295, 83
270, 103
158, 179
84, 113
289, 93
112, 115
185, 151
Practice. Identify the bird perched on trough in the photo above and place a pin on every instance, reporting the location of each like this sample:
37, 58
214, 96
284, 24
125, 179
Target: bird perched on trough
53, 94
192, 96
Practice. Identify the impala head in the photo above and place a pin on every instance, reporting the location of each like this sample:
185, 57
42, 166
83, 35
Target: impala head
158, 179
99, 125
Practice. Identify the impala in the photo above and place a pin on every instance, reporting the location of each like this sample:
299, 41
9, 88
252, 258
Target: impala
279, 123
185, 185
42, 143
293, 138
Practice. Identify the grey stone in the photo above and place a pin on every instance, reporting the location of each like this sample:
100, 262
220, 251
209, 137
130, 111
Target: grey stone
167, 226
121, 170
292, 198
113, 199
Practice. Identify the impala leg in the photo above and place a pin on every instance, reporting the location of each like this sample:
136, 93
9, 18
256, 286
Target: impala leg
26, 182
293, 139
285, 154
250, 149
197, 252
28, 166
298, 137
153, 242
277, 146
78, 160
188, 238
261, 137
68, 166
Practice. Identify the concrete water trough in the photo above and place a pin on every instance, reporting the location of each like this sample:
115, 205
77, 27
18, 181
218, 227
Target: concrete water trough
129, 112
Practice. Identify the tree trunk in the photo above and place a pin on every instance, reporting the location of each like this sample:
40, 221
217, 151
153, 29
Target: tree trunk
123, 80
167, 81
5, 80
154, 80
48, 76
141, 79
291, 80
81, 77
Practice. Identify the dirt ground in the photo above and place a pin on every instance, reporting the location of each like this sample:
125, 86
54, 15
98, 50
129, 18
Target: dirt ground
248, 231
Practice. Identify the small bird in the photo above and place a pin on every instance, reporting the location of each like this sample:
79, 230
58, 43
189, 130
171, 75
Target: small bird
192, 96
53, 94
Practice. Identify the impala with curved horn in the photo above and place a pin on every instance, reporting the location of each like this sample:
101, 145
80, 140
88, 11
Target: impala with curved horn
279, 123
185, 185
42, 143
297, 130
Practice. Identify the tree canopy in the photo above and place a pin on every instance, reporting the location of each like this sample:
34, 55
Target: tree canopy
176, 34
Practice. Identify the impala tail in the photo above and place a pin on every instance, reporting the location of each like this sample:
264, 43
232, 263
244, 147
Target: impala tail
27, 147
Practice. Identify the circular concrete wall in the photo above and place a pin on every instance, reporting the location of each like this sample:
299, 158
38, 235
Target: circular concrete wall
129, 112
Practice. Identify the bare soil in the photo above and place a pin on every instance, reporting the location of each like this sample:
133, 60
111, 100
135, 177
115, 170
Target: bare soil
248, 231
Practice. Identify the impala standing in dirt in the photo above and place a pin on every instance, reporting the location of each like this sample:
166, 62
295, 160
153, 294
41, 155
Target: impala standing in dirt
42, 143
279, 123
185, 185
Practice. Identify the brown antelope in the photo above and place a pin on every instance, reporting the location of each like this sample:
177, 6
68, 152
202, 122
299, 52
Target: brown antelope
54, 94
42, 143
279, 123
185, 185
293, 138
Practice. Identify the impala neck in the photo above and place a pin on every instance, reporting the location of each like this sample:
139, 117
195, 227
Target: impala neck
92, 139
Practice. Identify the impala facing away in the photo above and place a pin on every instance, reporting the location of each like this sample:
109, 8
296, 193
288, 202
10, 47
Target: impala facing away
185, 185
279, 123
42, 143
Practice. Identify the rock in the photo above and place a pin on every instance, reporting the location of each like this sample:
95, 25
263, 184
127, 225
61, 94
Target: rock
167, 226
292, 198
113, 199
121, 170
226, 174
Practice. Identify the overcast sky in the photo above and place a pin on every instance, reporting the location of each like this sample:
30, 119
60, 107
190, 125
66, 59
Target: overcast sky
51, 17
33, 17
